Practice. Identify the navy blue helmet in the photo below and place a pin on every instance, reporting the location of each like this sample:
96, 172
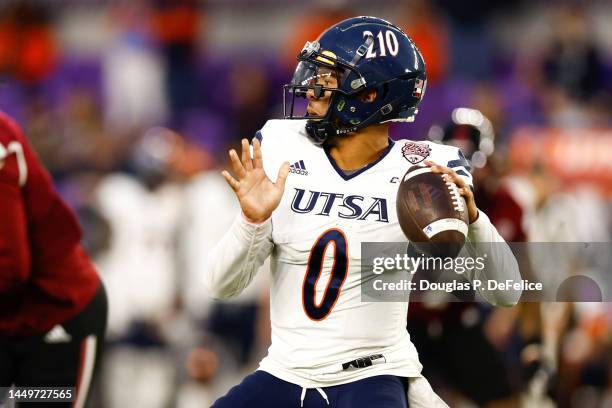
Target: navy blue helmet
364, 53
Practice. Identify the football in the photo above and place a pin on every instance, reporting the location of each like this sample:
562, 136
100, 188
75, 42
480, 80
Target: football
432, 213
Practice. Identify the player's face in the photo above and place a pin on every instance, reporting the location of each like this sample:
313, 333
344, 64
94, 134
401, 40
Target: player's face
327, 78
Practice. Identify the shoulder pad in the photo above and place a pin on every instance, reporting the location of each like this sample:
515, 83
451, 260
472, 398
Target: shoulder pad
453, 157
281, 128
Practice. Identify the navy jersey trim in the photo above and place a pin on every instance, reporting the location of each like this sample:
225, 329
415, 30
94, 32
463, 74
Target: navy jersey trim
460, 162
345, 176
462, 165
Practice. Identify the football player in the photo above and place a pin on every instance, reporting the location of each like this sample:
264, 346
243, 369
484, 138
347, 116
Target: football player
313, 189
440, 329
502, 196
52, 304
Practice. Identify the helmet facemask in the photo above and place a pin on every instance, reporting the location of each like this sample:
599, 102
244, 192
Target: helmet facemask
309, 77
313, 73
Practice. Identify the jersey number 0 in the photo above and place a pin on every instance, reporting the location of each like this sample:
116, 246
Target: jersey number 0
319, 311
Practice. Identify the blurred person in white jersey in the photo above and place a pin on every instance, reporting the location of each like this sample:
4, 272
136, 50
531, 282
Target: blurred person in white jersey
336, 175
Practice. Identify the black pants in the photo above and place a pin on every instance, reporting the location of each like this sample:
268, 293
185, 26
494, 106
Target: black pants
63, 357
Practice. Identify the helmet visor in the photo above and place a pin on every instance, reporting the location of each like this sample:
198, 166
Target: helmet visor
309, 80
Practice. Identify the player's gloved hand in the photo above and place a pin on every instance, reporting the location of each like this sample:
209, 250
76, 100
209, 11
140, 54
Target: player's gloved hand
464, 189
257, 194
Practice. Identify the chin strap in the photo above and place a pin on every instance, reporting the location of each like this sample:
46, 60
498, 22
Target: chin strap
320, 131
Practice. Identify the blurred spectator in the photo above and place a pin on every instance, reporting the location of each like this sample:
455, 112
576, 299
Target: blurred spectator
28, 48
71, 137
141, 271
310, 23
472, 45
237, 330
573, 61
250, 98
177, 25
423, 23
133, 71
572, 87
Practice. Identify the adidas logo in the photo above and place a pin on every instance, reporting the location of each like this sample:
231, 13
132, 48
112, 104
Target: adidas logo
298, 168
57, 335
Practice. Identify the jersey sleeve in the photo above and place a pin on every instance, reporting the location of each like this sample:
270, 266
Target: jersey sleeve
236, 258
52, 224
484, 241
14, 252
40, 222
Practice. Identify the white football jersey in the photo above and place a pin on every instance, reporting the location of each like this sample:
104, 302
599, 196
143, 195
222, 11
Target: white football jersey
322, 333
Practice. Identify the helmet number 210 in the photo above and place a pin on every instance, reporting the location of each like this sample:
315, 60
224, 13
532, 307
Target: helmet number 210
387, 42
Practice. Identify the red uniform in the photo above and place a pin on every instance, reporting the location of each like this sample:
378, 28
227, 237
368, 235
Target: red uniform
504, 212
45, 276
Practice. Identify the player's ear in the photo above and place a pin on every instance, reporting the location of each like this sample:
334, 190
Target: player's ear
368, 95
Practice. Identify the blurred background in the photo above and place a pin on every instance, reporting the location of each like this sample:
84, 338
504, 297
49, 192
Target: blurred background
132, 105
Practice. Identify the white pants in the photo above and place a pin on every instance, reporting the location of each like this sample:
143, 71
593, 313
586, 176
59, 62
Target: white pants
421, 395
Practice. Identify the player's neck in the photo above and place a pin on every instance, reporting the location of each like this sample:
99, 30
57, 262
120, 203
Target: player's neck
356, 150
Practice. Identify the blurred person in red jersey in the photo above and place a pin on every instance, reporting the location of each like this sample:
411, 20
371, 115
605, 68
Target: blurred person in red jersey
451, 338
516, 353
52, 304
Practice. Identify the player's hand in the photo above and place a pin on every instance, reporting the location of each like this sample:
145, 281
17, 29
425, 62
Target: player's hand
450, 175
257, 194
